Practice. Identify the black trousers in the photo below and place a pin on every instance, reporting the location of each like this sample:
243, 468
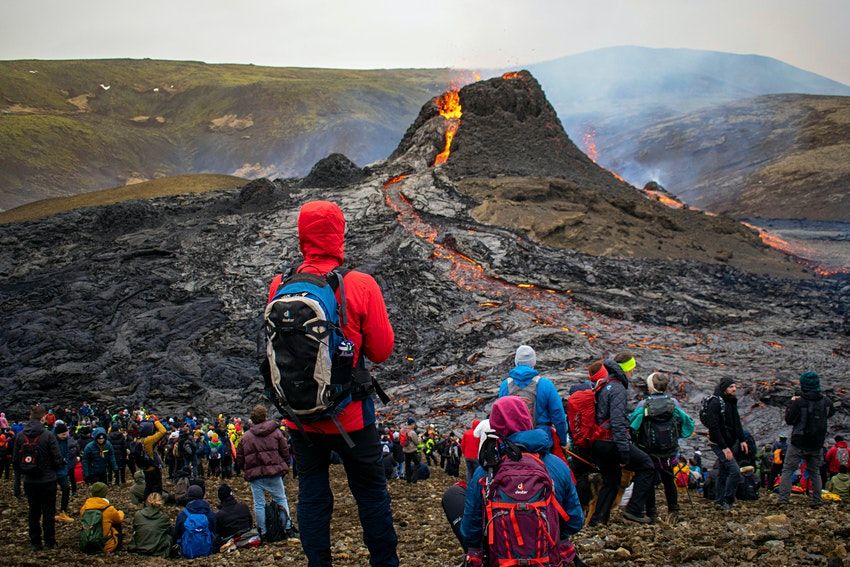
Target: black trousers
607, 458
664, 475
411, 467
41, 497
65, 487
153, 481
5, 467
365, 471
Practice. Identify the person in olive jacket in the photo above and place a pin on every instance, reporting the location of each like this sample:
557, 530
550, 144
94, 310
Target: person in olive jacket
263, 455
151, 529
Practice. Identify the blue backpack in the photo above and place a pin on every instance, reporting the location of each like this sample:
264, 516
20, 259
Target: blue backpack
197, 539
309, 359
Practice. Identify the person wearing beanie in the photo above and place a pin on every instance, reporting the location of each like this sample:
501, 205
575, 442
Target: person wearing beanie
69, 450
196, 505
660, 412
726, 439
233, 517
410, 448
808, 415
112, 518
540, 394
98, 458
511, 419
616, 451
118, 439
39, 479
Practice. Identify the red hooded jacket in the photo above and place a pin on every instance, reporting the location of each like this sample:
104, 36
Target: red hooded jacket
321, 235
469, 443
832, 460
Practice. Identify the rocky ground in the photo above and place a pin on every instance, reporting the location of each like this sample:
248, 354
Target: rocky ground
754, 533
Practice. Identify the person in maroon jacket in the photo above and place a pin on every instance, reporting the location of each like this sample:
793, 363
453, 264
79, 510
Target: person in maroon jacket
263, 456
321, 235
838, 454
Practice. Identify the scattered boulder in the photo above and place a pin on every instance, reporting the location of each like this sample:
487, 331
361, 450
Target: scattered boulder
336, 170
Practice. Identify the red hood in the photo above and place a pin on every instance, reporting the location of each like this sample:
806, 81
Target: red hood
321, 235
841, 444
475, 423
509, 415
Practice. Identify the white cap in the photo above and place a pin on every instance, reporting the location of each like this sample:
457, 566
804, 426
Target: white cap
525, 356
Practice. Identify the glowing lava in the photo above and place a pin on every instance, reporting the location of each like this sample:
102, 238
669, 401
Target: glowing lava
589, 141
449, 108
663, 199
511, 75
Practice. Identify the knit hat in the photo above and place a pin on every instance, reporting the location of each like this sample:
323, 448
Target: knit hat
509, 415
525, 356
410, 421
98, 490
60, 427
224, 492
195, 492
725, 383
810, 382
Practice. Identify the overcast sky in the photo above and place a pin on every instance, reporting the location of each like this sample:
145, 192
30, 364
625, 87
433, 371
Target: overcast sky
812, 34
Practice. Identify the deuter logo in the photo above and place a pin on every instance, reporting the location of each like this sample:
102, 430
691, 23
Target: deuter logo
519, 489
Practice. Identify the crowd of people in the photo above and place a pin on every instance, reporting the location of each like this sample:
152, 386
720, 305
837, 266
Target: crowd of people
530, 464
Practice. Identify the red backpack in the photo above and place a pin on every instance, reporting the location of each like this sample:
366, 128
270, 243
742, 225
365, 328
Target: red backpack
581, 415
521, 514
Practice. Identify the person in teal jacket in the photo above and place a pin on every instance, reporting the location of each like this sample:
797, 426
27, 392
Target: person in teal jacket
98, 458
659, 438
539, 393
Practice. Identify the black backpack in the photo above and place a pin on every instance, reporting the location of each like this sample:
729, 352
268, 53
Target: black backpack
28, 460
816, 416
275, 519
659, 431
140, 457
703, 411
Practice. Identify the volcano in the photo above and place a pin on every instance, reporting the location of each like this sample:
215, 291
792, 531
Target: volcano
516, 237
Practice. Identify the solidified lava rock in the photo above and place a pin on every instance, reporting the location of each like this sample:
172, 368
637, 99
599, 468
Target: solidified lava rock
335, 170
259, 192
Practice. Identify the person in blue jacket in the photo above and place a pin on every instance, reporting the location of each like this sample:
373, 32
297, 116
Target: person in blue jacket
98, 458
196, 505
511, 419
538, 393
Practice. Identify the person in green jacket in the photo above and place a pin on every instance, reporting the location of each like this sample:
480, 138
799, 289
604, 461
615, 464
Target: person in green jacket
660, 422
151, 529
840, 484
137, 492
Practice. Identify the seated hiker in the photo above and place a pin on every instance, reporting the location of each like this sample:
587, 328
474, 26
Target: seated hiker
546, 488
195, 526
840, 484
101, 523
137, 491
151, 528
233, 517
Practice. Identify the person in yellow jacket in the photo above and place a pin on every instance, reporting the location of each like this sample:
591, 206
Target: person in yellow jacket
112, 517
150, 433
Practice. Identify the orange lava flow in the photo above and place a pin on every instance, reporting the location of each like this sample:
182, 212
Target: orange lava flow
663, 199
511, 75
590, 144
449, 108
468, 274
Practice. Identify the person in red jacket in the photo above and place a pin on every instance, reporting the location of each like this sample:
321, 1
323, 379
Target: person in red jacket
321, 235
469, 447
838, 455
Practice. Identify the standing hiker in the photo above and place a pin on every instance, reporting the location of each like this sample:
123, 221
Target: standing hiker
726, 437
349, 430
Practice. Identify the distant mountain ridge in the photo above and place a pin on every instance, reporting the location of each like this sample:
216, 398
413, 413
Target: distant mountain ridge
73, 126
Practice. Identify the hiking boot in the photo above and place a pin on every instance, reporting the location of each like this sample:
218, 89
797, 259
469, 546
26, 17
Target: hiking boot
635, 518
36, 547
725, 507
65, 518
816, 503
51, 545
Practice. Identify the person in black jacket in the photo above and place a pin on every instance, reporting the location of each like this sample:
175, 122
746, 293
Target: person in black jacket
726, 438
39, 477
233, 517
119, 449
808, 414
618, 450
